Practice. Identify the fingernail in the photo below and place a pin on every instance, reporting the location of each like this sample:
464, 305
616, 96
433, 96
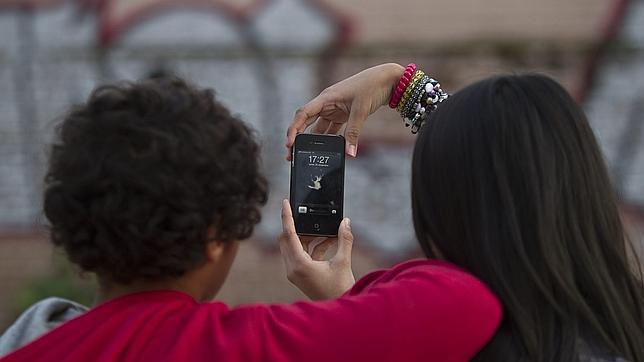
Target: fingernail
348, 223
353, 150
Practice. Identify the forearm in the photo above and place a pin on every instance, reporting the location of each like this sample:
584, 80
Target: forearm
415, 311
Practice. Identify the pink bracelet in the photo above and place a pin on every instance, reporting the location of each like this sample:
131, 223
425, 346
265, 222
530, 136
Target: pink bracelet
397, 92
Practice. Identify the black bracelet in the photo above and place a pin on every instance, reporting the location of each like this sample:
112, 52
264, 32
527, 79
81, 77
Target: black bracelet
423, 104
408, 110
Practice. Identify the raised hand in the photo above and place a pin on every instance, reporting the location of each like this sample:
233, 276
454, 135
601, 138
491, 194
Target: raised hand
349, 103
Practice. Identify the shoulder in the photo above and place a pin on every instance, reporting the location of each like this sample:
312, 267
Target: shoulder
591, 351
39, 319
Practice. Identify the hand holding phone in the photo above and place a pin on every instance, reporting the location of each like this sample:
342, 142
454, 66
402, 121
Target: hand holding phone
317, 184
349, 102
319, 279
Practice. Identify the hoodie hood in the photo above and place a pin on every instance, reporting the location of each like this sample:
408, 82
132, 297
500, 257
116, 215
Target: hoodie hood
39, 319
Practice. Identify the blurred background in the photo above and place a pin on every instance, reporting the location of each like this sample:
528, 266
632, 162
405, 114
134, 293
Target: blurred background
267, 57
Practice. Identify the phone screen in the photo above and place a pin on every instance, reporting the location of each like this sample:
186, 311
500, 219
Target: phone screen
317, 185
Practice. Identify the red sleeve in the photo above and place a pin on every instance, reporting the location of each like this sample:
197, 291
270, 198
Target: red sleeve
418, 310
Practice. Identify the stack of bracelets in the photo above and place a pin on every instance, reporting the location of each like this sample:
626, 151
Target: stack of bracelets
416, 96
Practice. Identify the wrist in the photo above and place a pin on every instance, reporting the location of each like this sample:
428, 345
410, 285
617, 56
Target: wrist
394, 71
391, 73
333, 289
400, 82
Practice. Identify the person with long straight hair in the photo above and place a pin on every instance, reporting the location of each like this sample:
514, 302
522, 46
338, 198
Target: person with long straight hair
509, 183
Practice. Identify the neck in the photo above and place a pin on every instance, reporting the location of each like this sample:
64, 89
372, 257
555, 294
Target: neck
110, 290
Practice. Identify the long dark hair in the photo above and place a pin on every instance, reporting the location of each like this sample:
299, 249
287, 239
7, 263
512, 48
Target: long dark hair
509, 182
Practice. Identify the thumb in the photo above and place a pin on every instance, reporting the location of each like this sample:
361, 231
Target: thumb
357, 117
345, 242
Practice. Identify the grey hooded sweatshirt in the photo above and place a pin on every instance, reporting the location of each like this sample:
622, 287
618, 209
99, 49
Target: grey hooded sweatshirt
39, 319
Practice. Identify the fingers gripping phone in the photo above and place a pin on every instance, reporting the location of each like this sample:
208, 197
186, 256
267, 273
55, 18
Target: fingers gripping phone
317, 184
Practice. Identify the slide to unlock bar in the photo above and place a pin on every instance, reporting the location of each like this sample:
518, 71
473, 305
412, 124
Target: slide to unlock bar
316, 210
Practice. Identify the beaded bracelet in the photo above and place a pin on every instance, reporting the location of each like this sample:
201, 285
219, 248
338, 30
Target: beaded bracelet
397, 93
415, 96
433, 95
419, 97
424, 101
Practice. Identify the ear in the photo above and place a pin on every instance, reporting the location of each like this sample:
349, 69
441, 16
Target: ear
214, 248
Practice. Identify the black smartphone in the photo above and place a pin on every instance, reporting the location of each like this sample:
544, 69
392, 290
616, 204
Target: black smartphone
317, 184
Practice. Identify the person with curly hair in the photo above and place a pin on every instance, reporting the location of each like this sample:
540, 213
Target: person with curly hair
151, 186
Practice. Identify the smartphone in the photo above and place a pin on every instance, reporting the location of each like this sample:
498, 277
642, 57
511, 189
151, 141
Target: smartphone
317, 184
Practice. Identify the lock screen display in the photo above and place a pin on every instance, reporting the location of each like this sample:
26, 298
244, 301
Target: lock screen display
318, 183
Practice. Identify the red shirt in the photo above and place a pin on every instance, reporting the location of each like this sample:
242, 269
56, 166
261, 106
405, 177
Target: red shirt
419, 310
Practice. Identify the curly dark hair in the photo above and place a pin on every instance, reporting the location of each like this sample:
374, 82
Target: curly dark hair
139, 174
